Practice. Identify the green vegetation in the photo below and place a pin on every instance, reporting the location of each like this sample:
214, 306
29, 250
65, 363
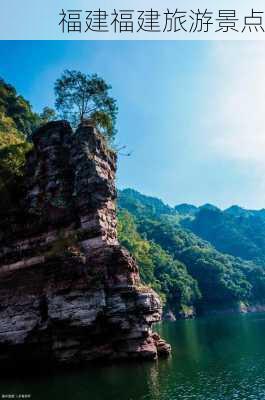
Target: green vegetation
223, 280
17, 110
65, 244
139, 204
189, 255
168, 276
16, 123
80, 96
234, 231
48, 114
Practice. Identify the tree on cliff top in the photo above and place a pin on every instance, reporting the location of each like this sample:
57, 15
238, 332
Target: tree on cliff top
80, 96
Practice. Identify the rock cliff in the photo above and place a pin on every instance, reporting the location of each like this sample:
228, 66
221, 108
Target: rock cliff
69, 293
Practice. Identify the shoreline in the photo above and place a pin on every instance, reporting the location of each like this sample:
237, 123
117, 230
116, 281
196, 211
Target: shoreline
241, 308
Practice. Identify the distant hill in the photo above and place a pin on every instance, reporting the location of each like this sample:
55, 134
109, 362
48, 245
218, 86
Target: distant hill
209, 207
206, 242
237, 211
235, 231
137, 203
186, 209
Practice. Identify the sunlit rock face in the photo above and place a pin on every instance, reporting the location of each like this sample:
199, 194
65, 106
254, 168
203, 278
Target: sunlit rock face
69, 293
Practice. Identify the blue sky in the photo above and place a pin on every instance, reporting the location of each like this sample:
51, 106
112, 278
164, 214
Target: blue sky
190, 112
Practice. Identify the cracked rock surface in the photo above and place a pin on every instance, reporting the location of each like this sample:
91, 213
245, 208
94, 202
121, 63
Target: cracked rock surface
69, 293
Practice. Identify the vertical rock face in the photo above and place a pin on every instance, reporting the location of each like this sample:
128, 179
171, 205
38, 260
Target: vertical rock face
69, 293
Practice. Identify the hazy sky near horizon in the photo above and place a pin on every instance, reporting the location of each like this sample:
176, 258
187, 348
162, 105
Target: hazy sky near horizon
192, 113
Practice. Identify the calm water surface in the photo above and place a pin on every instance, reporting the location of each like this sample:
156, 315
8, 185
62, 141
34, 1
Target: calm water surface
213, 358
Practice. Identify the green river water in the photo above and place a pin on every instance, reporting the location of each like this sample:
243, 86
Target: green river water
212, 358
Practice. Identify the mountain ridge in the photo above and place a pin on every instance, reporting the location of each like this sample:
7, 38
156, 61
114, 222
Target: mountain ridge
223, 277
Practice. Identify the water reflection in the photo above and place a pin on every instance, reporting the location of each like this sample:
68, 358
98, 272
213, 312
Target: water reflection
217, 358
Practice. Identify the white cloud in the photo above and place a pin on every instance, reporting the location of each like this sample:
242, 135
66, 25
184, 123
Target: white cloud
236, 109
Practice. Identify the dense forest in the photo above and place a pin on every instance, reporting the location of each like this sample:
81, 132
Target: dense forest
235, 231
17, 122
208, 278
196, 258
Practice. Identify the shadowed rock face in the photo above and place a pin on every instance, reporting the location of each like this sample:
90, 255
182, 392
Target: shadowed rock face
69, 293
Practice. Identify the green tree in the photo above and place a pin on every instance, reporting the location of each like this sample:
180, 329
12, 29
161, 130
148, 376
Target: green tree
48, 114
80, 96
